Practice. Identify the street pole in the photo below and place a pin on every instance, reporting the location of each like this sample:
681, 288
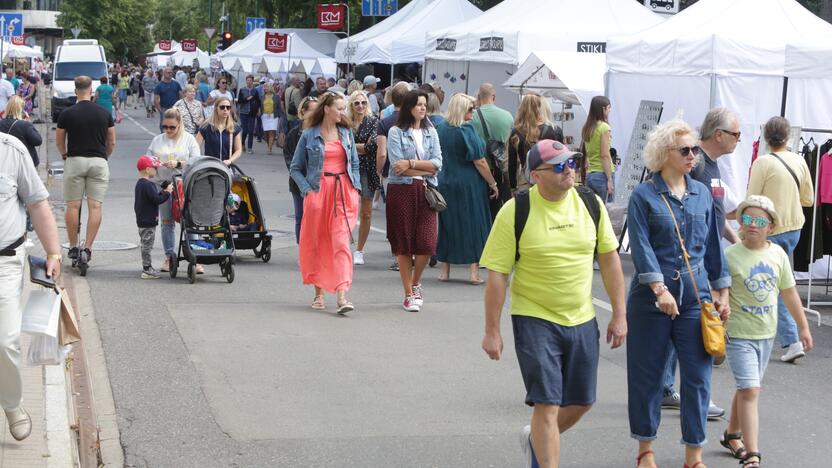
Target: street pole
210, 22
349, 62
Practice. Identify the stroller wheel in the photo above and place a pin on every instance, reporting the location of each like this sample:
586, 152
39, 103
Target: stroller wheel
229, 273
266, 254
191, 273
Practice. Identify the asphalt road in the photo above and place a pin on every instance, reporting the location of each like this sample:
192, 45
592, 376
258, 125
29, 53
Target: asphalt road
246, 375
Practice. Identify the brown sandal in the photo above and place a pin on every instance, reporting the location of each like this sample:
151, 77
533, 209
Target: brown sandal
642, 455
318, 303
725, 441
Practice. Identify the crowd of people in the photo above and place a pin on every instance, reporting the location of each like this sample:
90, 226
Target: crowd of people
477, 187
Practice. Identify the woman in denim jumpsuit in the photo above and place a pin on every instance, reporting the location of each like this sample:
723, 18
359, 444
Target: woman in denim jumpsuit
662, 307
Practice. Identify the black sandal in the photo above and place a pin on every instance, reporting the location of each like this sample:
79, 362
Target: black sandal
738, 453
746, 463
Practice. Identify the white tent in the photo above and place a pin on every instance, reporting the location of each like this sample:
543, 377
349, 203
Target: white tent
732, 53
491, 46
175, 46
570, 77
305, 45
21, 51
399, 39
186, 59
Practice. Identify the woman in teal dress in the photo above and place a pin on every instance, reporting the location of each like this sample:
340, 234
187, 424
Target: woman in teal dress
466, 183
104, 95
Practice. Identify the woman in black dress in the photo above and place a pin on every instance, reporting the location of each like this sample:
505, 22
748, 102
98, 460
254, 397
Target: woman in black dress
364, 127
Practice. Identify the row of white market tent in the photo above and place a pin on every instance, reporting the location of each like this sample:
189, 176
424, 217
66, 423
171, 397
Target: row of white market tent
308, 51
175, 56
757, 57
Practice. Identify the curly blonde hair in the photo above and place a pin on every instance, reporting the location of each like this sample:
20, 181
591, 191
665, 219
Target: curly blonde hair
662, 140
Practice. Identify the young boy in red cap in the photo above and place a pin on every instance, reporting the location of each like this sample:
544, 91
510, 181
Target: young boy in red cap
146, 205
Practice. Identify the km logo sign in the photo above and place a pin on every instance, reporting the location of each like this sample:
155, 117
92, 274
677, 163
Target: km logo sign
331, 17
277, 43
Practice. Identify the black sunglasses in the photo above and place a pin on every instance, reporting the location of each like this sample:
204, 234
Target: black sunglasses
687, 150
224, 107
359, 103
169, 127
733, 134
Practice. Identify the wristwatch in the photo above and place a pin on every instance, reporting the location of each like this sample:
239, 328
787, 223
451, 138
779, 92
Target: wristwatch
57, 257
660, 289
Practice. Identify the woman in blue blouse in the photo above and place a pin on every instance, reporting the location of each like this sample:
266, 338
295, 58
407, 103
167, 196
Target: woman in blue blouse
221, 133
467, 181
415, 158
662, 307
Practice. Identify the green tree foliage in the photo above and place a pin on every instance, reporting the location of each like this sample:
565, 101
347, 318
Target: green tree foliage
119, 25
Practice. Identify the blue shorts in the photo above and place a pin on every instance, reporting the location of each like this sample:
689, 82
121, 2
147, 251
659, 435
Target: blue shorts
559, 364
748, 360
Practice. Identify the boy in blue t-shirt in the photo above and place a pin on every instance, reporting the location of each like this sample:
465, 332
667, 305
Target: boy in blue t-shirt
148, 197
760, 272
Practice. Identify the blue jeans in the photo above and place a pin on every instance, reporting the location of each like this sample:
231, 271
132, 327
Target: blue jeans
247, 124
670, 372
122, 98
298, 201
786, 328
651, 335
292, 124
597, 181
168, 228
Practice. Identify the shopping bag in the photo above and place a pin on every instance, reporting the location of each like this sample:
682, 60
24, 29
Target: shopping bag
118, 116
45, 351
41, 314
177, 199
67, 325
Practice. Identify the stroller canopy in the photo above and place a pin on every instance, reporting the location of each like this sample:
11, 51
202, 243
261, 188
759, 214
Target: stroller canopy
207, 183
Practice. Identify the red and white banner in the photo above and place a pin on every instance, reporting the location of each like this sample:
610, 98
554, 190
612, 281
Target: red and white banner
277, 43
189, 45
19, 40
331, 17
164, 44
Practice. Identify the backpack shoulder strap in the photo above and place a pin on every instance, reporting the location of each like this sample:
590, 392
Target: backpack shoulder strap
794, 176
592, 205
522, 206
484, 125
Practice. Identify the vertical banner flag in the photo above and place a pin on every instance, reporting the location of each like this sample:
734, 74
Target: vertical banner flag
19, 40
331, 17
277, 43
189, 45
164, 44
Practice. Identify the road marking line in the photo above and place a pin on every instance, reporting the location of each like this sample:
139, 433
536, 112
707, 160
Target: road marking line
130, 118
604, 305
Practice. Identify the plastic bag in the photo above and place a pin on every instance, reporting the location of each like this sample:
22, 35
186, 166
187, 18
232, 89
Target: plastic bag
45, 351
42, 313
118, 116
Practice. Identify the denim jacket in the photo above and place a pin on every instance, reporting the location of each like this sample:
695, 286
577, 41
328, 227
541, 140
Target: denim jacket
400, 145
654, 245
308, 161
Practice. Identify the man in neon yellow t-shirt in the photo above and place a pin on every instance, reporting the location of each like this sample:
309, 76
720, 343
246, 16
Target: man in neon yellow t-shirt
555, 332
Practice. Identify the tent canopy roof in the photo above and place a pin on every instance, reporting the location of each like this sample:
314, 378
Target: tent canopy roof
511, 30
571, 77
402, 41
725, 37
303, 43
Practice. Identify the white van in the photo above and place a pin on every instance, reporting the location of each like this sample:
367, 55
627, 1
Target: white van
75, 57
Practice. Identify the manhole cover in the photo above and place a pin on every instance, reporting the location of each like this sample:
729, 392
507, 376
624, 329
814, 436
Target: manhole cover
109, 245
277, 234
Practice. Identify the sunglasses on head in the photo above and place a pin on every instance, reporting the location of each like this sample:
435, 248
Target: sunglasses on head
560, 167
169, 127
687, 150
756, 221
224, 107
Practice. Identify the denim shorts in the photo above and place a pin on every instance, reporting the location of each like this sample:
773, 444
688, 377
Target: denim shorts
748, 359
559, 364
366, 194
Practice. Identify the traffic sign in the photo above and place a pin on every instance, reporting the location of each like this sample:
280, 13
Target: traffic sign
253, 23
11, 24
379, 7
210, 32
75, 32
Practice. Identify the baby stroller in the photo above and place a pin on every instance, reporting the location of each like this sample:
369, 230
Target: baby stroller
257, 238
205, 235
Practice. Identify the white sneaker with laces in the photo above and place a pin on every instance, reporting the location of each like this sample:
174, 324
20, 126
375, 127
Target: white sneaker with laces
526, 446
417, 295
409, 304
358, 257
794, 352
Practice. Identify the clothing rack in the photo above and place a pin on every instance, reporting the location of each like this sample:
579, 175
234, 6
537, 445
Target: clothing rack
808, 308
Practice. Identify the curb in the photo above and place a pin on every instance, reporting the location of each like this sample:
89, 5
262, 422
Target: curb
109, 440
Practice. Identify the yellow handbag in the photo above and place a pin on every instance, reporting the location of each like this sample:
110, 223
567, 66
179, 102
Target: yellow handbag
713, 330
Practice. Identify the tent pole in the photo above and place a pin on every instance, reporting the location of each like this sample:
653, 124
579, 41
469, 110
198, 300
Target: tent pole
783, 106
712, 101
467, 77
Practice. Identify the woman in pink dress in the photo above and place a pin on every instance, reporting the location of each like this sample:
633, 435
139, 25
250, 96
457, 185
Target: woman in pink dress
325, 167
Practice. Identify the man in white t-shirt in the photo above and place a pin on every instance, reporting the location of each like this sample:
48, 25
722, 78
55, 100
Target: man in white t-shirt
6, 92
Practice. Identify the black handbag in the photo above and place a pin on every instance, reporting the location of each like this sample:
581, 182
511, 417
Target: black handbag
435, 199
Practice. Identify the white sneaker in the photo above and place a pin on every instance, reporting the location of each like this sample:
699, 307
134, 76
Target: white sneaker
358, 257
20, 424
409, 304
526, 446
417, 295
793, 353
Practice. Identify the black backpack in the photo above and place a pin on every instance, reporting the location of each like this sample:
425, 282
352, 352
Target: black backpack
522, 207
